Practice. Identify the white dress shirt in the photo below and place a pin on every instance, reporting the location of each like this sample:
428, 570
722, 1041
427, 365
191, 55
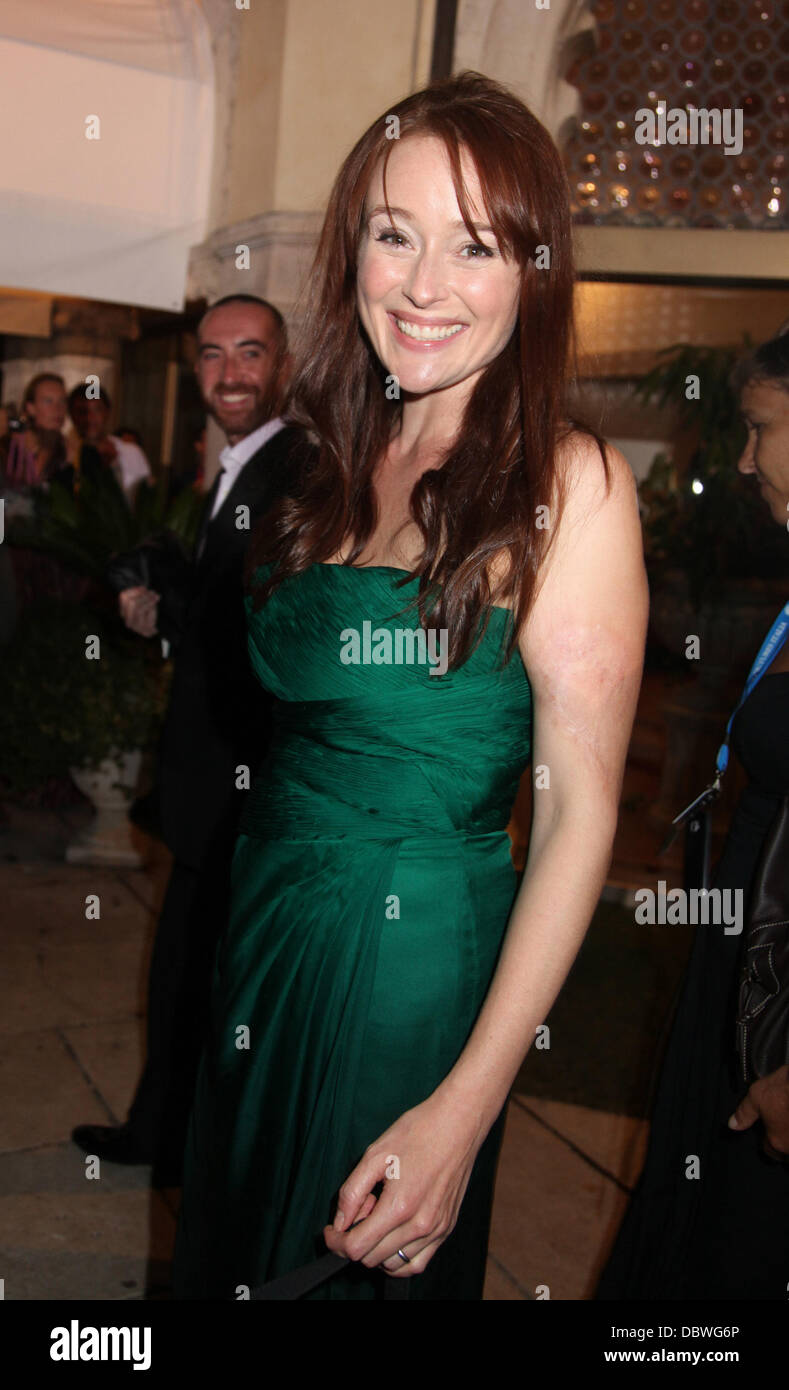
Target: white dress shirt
132, 465
233, 459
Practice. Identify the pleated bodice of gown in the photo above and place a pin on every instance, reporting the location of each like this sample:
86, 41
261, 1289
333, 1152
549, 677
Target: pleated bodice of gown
372, 885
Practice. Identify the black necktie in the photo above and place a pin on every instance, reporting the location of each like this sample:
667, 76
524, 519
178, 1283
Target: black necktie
209, 507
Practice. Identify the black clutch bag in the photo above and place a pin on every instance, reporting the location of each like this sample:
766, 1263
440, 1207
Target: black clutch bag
299, 1281
763, 1002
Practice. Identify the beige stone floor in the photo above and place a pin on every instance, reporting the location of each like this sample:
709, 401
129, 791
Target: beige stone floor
71, 1029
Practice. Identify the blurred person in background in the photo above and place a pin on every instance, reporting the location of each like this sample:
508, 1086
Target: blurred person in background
724, 1234
130, 436
34, 453
90, 417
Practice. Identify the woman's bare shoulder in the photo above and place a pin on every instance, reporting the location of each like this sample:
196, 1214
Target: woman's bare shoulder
593, 466
590, 475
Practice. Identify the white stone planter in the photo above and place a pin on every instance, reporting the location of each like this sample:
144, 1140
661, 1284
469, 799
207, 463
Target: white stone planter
109, 838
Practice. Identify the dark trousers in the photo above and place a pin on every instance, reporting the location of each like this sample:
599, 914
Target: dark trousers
191, 923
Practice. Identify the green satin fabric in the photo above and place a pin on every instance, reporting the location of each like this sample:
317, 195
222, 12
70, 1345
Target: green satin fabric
372, 884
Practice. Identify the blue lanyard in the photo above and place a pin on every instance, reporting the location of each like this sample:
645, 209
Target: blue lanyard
770, 646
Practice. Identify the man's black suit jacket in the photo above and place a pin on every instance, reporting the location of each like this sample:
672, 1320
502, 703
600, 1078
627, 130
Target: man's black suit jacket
218, 716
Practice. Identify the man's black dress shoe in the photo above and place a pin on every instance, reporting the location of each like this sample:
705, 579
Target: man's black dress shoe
116, 1144
113, 1143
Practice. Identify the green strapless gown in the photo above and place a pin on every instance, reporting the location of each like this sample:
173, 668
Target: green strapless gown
372, 886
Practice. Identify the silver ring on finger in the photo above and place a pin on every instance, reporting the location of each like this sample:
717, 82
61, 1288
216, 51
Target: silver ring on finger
405, 1258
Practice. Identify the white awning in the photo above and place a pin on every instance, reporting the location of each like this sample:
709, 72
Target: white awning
111, 217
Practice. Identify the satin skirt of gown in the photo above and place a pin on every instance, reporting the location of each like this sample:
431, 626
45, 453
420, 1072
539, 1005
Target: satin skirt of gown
372, 886
724, 1234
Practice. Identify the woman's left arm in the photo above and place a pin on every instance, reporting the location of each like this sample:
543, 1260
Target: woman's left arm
582, 646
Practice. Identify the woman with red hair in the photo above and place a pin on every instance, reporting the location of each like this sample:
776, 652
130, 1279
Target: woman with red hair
383, 973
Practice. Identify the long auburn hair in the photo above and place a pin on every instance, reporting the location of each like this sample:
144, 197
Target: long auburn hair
483, 498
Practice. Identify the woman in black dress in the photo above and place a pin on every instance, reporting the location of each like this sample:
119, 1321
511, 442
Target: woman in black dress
725, 1233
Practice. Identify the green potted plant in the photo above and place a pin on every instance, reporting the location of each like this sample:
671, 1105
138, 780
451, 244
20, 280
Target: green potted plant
80, 695
92, 720
84, 523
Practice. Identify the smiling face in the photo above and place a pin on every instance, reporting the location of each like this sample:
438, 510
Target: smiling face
765, 409
436, 307
238, 367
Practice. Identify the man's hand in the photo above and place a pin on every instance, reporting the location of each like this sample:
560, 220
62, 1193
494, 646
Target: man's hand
768, 1100
138, 609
